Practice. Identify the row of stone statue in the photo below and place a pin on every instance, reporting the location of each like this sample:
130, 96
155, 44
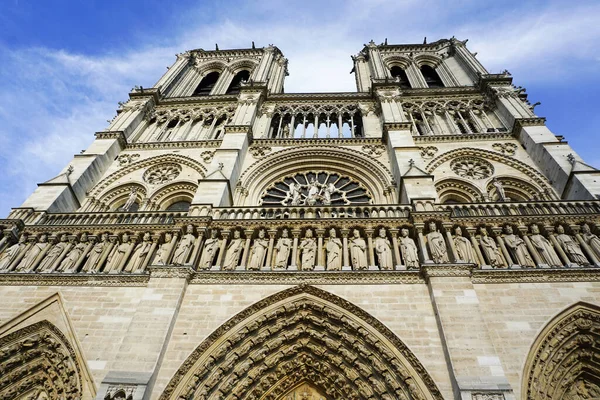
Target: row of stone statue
508, 249
325, 250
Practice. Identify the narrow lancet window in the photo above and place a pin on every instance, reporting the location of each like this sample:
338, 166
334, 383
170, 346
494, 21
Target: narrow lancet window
431, 77
236, 82
206, 84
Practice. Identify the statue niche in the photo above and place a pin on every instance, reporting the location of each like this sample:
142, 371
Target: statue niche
316, 188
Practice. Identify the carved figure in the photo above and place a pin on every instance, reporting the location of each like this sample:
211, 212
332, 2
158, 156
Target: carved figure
544, 248
13, 252
93, 262
210, 249
70, 261
308, 248
130, 200
184, 248
258, 252
233, 253
334, 250
164, 250
570, 247
592, 240
292, 194
464, 247
29, 259
517, 248
118, 254
283, 247
383, 249
136, 263
499, 189
52, 255
358, 251
437, 245
409, 251
490, 249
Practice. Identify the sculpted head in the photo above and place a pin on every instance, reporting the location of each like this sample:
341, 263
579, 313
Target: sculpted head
585, 228
261, 234
84, 237
508, 229
125, 237
44, 238
382, 232
147, 237
535, 229
236, 234
104, 237
190, 229
332, 233
64, 237
432, 227
23, 238
458, 231
213, 233
560, 229
309, 233
356, 233
284, 233
483, 231
404, 232
168, 237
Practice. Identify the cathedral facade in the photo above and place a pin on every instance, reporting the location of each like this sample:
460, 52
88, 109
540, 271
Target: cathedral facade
425, 237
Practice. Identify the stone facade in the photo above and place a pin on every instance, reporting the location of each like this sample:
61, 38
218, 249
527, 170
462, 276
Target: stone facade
425, 237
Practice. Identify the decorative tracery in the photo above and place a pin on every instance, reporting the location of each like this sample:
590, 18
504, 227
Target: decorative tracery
474, 168
316, 188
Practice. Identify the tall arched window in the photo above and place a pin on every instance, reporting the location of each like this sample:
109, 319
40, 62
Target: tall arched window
206, 84
234, 86
431, 77
400, 75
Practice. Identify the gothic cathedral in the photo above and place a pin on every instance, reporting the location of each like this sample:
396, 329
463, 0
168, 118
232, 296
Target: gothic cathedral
425, 237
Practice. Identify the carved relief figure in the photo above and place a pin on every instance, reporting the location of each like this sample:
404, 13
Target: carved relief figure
517, 248
13, 252
258, 252
29, 259
383, 249
136, 263
358, 251
283, 247
499, 189
130, 200
293, 194
570, 247
437, 245
118, 254
184, 248
308, 248
334, 250
53, 254
164, 250
210, 249
544, 248
464, 248
234, 251
490, 249
408, 248
93, 262
313, 192
70, 262
592, 240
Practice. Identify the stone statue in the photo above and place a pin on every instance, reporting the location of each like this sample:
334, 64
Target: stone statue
13, 252
570, 247
334, 250
490, 249
499, 189
258, 252
383, 249
328, 190
130, 200
285, 131
408, 248
313, 192
118, 254
52, 255
292, 194
308, 249
164, 250
136, 263
233, 253
517, 248
211, 246
358, 251
283, 247
184, 248
593, 241
437, 245
70, 262
93, 262
27, 262
464, 247
544, 248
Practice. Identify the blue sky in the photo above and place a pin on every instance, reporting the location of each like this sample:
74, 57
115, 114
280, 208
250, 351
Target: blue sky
66, 64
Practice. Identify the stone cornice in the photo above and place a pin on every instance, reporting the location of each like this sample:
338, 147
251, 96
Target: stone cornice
397, 126
170, 271
154, 93
199, 101
238, 129
283, 97
434, 46
118, 135
312, 278
478, 137
487, 80
530, 275
446, 270
61, 279
198, 144
523, 122
317, 141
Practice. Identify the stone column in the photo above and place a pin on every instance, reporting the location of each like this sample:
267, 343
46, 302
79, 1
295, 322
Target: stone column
559, 250
197, 247
475, 244
448, 228
320, 262
532, 250
294, 263
345, 232
584, 246
225, 235
498, 232
422, 245
272, 233
371, 262
397, 259
248, 233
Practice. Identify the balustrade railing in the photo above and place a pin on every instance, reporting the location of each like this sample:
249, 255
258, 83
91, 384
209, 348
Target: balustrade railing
111, 218
523, 209
291, 212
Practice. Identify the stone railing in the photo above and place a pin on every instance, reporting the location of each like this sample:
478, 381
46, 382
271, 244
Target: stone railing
523, 209
111, 218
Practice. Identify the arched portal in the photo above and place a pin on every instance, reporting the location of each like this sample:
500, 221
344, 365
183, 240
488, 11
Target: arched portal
302, 339
564, 361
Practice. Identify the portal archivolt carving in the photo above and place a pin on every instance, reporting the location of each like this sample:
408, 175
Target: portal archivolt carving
302, 336
564, 363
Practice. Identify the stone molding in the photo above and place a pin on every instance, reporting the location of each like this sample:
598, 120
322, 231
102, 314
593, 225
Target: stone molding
200, 144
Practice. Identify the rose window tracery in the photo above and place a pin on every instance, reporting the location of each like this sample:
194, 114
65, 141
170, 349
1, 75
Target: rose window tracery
472, 168
162, 174
316, 188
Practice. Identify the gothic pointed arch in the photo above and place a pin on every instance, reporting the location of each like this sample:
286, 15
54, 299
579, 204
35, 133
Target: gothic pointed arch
168, 195
564, 360
302, 336
454, 190
375, 177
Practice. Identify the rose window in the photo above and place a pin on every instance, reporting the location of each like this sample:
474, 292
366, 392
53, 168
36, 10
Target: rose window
472, 168
316, 188
162, 173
